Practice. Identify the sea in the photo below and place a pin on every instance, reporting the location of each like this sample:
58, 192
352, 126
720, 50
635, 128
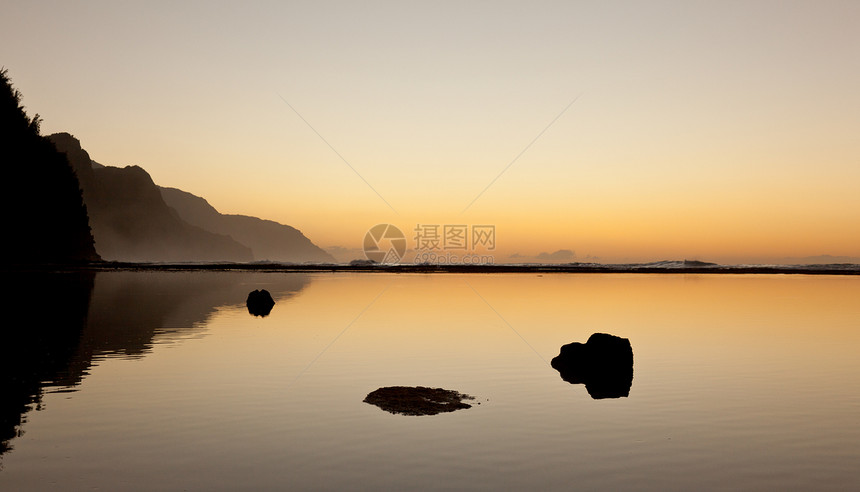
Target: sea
165, 380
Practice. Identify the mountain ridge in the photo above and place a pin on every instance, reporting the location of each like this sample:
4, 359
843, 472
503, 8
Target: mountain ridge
131, 222
135, 220
268, 240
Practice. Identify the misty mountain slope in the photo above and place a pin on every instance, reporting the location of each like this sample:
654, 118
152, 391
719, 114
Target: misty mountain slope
131, 221
267, 239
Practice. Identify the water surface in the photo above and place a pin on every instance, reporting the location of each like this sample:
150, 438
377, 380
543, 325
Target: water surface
141, 381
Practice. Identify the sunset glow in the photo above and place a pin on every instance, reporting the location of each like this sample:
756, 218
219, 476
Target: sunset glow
716, 131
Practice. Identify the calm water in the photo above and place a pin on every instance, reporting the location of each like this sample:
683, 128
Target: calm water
125, 381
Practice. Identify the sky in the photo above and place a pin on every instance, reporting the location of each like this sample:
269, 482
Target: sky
620, 131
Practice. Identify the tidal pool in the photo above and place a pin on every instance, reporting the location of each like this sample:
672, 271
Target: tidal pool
164, 381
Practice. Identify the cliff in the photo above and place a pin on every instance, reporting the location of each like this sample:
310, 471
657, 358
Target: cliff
131, 221
45, 220
267, 239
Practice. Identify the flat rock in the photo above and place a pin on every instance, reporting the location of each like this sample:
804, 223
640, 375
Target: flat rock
417, 400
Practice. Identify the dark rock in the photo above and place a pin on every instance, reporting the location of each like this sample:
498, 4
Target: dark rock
260, 303
604, 364
417, 400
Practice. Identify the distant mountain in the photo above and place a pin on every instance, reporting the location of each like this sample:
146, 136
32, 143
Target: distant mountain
44, 217
819, 260
267, 239
130, 220
135, 220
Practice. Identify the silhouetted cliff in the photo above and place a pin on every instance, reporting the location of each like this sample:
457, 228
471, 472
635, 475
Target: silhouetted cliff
267, 239
131, 221
45, 220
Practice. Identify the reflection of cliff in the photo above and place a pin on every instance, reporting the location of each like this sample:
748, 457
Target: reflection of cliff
39, 348
157, 306
70, 321
604, 364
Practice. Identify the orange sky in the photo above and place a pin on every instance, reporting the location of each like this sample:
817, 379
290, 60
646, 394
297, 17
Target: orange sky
722, 131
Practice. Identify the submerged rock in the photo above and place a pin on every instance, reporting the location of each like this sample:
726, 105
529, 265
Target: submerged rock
604, 364
260, 303
417, 400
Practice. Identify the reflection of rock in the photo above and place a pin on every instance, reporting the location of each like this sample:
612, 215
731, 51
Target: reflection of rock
260, 302
418, 400
604, 363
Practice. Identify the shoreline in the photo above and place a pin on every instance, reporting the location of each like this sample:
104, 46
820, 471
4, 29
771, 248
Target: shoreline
643, 268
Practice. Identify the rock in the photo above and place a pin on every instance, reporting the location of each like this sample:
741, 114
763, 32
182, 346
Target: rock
260, 303
604, 364
418, 400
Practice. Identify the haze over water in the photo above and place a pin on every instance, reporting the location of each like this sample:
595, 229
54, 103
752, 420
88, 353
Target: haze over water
740, 382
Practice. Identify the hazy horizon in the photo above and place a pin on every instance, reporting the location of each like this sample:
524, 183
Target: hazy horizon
617, 131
